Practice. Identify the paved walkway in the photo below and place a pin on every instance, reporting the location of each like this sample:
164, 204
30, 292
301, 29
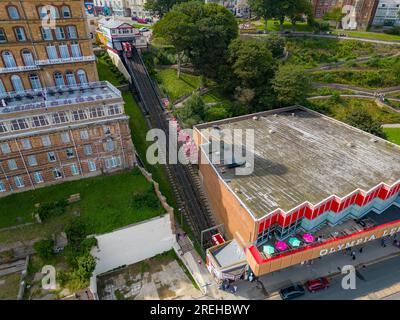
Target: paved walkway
326, 266
391, 125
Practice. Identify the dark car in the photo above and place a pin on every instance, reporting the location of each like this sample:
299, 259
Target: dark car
292, 292
317, 284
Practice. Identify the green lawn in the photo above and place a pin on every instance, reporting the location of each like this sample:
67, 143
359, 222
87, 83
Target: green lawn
139, 130
175, 88
105, 204
105, 74
393, 134
273, 25
9, 286
369, 35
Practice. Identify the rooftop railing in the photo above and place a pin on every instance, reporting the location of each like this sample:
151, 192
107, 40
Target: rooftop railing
57, 96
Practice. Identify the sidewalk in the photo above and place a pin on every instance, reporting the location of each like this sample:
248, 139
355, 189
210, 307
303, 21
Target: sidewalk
328, 266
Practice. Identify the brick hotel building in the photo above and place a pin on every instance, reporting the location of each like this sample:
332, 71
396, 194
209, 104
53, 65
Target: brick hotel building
57, 120
312, 176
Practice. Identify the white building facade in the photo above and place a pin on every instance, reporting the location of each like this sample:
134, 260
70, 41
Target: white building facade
387, 13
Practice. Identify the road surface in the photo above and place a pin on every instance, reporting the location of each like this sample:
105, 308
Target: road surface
371, 279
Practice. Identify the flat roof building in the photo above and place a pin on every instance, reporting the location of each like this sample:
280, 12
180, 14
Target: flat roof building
309, 171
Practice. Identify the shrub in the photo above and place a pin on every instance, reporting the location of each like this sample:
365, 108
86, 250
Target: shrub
52, 209
45, 249
147, 199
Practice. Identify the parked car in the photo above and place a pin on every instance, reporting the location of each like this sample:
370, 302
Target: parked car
317, 284
292, 292
140, 20
144, 29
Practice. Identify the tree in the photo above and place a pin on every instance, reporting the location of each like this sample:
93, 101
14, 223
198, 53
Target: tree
216, 113
251, 62
160, 7
361, 119
296, 10
276, 44
177, 29
291, 85
264, 9
202, 32
336, 14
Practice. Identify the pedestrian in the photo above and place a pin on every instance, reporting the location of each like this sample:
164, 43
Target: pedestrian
199, 261
361, 250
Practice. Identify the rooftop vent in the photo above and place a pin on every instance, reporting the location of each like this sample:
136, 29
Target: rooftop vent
256, 118
237, 190
271, 131
351, 144
373, 140
293, 114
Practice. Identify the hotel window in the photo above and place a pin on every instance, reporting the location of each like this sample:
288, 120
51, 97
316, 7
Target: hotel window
79, 115
19, 182
84, 134
46, 141
82, 76
87, 150
112, 162
51, 156
13, 12
70, 153
64, 52
17, 83
92, 165
39, 121
12, 165
2, 187
5, 148
32, 160
96, 112
71, 32
51, 52
74, 169
58, 79
35, 81
66, 12
26, 144
65, 137
60, 117
76, 50
27, 57
3, 37
9, 61
19, 124
57, 173
20, 33
60, 34
3, 127
70, 78
38, 177
47, 34
114, 109
109, 145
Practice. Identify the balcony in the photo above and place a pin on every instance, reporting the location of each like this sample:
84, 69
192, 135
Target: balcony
18, 69
65, 60
58, 96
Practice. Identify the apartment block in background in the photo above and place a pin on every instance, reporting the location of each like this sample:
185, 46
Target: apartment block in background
57, 120
364, 9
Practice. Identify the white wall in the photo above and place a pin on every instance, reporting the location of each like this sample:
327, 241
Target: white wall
119, 64
133, 243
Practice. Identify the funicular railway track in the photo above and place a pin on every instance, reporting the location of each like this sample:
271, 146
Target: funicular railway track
186, 185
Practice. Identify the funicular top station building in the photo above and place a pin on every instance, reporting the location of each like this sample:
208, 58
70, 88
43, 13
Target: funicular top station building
312, 175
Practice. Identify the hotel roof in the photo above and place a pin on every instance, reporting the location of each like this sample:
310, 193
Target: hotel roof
301, 155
